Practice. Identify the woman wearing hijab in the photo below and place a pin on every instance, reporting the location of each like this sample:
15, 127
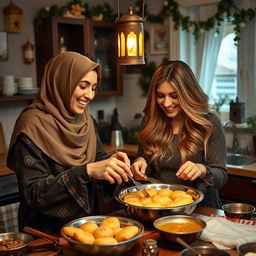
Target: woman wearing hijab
55, 151
183, 142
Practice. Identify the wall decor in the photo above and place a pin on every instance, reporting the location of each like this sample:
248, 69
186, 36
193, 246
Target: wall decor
3, 46
159, 41
13, 18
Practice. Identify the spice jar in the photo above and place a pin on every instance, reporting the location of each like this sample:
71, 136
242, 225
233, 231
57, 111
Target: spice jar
150, 247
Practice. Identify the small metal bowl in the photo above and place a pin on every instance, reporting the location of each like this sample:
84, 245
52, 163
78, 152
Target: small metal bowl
238, 210
204, 250
149, 214
244, 248
188, 237
19, 251
102, 250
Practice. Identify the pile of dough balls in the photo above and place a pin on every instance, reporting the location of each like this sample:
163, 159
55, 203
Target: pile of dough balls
165, 197
109, 231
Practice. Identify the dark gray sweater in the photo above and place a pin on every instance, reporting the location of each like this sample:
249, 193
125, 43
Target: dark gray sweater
215, 164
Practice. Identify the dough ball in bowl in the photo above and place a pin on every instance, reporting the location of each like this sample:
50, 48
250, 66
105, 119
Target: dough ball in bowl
112, 222
89, 226
103, 231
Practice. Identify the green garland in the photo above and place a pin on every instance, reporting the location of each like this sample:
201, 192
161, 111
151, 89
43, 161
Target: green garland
58, 11
225, 9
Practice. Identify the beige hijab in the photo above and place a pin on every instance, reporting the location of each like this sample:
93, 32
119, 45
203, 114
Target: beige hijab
66, 138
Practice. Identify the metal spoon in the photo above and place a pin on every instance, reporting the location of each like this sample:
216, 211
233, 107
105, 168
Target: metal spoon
182, 242
136, 183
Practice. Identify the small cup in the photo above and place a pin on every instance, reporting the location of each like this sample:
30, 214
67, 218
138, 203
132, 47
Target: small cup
8, 86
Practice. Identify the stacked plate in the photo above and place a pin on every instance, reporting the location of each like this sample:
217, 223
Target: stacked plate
25, 86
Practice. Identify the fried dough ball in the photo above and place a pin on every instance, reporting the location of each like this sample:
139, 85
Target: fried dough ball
151, 191
112, 222
84, 237
177, 193
164, 192
187, 196
70, 231
103, 231
182, 201
134, 202
145, 200
89, 226
116, 230
141, 194
131, 196
163, 200
127, 233
105, 240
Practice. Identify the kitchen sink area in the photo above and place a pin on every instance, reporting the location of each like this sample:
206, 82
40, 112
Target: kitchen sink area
238, 160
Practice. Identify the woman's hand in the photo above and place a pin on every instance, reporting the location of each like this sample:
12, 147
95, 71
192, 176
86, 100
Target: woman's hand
139, 168
191, 171
122, 156
113, 169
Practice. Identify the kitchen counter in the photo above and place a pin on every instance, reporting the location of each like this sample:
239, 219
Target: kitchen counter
165, 249
131, 149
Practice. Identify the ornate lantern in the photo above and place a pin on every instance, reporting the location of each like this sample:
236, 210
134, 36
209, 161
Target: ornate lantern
13, 18
130, 36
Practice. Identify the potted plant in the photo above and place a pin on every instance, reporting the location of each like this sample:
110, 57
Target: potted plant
251, 121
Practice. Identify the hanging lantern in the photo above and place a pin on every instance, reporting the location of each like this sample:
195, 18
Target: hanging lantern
28, 52
13, 18
130, 37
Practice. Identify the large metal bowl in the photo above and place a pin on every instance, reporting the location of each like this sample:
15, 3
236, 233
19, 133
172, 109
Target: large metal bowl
101, 250
149, 214
19, 251
188, 237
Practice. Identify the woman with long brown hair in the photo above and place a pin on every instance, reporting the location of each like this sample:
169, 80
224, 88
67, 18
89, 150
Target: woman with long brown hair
181, 140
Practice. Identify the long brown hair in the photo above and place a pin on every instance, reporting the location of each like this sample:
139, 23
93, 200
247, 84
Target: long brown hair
157, 130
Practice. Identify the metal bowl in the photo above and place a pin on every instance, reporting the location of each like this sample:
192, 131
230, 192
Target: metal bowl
204, 250
19, 251
111, 249
244, 248
238, 210
149, 214
188, 237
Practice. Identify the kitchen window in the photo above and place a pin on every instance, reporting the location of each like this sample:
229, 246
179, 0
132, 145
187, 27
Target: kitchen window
225, 77
202, 62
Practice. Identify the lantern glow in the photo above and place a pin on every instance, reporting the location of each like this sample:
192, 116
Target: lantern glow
130, 36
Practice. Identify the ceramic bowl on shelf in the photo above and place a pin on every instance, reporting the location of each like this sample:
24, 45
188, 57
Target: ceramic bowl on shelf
238, 210
28, 91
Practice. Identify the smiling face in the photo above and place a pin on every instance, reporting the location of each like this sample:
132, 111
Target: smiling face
167, 99
84, 92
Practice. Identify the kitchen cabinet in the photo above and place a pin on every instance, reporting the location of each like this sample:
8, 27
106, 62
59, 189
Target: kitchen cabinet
94, 39
239, 189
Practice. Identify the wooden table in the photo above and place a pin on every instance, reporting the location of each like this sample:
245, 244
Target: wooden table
165, 248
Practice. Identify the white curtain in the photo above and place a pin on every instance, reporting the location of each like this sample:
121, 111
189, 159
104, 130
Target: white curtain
247, 63
201, 55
